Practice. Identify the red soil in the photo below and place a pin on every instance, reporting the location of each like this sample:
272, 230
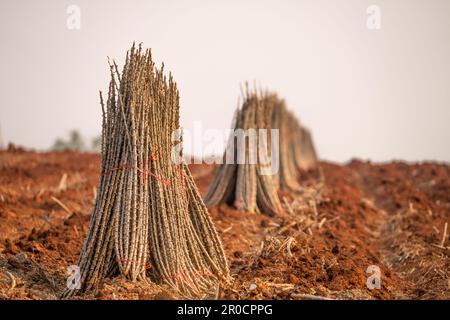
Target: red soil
360, 214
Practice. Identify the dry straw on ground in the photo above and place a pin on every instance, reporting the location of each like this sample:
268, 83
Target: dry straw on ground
241, 182
149, 221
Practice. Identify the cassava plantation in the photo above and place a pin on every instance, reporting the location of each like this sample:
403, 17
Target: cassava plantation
233, 158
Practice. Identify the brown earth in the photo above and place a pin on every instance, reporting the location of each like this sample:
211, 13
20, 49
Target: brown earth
343, 220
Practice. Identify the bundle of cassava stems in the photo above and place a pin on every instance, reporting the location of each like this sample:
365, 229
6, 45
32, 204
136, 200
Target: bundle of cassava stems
148, 211
246, 180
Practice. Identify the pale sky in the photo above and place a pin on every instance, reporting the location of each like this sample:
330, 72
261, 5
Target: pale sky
372, 94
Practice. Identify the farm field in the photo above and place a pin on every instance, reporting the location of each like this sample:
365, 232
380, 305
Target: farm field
344, 219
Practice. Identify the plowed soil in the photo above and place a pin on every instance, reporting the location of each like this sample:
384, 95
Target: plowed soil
345, 218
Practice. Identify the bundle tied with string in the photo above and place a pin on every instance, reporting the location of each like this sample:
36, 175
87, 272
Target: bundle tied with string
296, 147
243, 179
246, 184
148, 221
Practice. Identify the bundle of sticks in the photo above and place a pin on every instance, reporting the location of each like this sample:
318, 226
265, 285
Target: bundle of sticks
149, 222
243, 179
